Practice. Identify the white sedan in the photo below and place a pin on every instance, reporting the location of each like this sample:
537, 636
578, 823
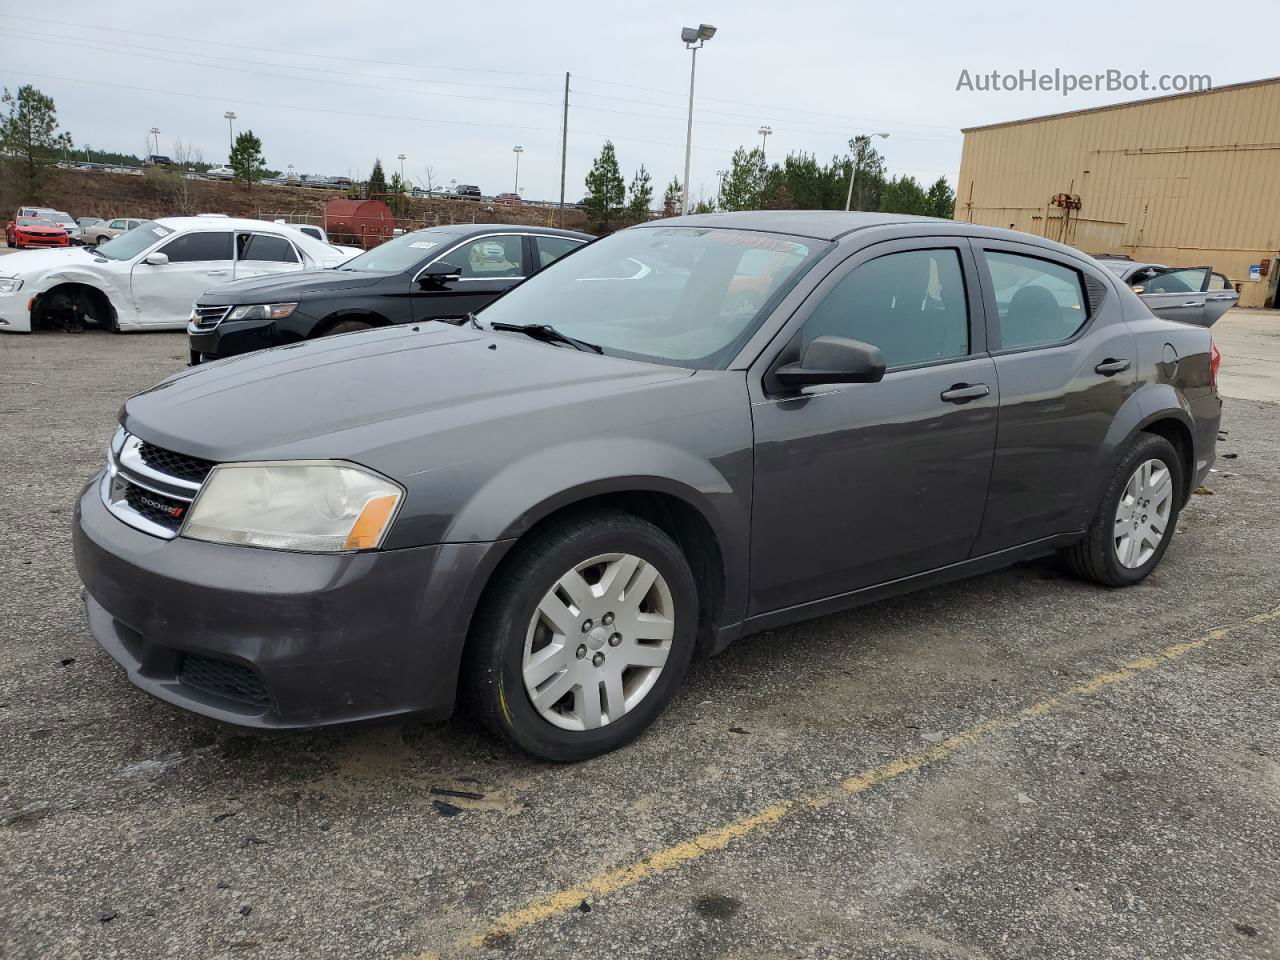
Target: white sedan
148, 278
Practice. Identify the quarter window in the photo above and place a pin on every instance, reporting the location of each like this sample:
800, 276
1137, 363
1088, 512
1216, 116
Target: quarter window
263, 248
1218, 282
911, 305
198, 247
491, 258
1039, 302
551, 249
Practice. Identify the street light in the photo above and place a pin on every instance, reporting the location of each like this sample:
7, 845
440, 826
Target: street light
155, 132
517, 151
764, 138
853, 172
694, 38
231, 137
400, 157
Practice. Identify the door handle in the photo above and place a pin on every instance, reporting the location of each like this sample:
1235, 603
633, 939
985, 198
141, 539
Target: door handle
964, 392
1109, 367
1190, 303
1223, 296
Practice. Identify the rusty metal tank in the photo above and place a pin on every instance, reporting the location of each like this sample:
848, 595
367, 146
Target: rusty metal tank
364, 223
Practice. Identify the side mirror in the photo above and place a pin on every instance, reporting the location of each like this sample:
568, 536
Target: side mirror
156, 259
437, 273
1139, 289
834, 360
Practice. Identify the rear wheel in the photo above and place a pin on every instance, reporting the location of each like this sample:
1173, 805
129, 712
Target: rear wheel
1136, 518
584, 636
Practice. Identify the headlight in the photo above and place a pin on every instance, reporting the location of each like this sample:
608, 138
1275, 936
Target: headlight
317, 506
10, 284
263, 311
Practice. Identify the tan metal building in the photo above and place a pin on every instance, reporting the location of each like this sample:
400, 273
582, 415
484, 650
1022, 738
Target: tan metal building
1185, 180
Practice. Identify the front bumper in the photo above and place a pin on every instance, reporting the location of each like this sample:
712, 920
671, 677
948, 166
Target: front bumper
270, 639
233, 337
14, 315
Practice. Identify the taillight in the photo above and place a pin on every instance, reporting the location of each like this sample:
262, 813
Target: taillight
1215, 361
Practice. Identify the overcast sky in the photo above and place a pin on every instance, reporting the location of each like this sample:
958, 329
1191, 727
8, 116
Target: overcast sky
328, 86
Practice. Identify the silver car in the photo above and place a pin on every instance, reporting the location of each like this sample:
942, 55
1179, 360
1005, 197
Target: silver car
1191, 294
105, 230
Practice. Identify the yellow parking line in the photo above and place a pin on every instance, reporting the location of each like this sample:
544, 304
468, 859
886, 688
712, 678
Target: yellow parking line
663, 861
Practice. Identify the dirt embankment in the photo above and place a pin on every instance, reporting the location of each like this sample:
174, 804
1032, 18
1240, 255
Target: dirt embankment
161, 193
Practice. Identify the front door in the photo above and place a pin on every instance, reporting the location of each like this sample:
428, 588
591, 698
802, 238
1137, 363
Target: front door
164, 293
1066, 363
861, 484
488, 268
1178, 294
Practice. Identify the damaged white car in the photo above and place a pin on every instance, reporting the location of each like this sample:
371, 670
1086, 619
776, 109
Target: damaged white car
148, 278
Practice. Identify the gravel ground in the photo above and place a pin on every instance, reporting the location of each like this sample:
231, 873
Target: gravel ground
959, 773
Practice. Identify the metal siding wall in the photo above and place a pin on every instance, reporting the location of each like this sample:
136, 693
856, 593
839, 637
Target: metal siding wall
1146, 183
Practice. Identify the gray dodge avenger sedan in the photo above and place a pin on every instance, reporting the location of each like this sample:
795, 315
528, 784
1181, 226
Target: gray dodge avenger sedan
692, 430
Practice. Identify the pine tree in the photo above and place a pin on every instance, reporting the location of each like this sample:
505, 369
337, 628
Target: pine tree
641, 194
377, 184
606, 190
671, 198
246, 158
941, 199
28, 138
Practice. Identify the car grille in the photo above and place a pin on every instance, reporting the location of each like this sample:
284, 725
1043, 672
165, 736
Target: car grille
206, 318
150, 488
43, 240
175, 464
223, 678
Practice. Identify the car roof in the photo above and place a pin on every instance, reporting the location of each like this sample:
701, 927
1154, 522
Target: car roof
216, 222
462, 230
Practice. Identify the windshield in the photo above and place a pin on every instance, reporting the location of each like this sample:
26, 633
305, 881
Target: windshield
129, 245
35, 222
62, 218
403, 253
686, 296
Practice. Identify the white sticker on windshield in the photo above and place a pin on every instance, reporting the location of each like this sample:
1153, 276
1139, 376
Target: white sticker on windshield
424, 244
160, 231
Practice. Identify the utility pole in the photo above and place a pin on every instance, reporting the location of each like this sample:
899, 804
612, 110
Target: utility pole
155, 132
564, 145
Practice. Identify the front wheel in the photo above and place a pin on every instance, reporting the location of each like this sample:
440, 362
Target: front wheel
346, 326
1137, 516
583, 636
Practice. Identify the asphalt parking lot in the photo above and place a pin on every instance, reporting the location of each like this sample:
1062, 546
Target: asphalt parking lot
1019, 765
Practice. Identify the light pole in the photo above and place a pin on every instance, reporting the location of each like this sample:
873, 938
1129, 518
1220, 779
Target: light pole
764, 138
400, 157
155, 132
853, 172
694, 38
517, 150
230, 116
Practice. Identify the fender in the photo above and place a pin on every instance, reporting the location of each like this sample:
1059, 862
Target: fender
1149, 403
116, 295
535, 486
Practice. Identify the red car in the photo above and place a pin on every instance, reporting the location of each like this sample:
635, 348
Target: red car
27, 232
510, 199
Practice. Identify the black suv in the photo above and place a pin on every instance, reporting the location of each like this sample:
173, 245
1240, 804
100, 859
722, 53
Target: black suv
442, 273
467, 190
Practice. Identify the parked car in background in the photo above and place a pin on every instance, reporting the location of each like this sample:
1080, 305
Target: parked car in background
157, 160
68, 223
509, 199
148, 278
105, 230
1196, 295
27, 232
83, 222
220, 173
467, 190
554, 508
318, 233
442, 273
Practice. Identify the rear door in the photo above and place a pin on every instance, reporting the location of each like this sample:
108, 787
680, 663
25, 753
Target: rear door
1066, 363
1178, 294
858, 484
488, 267
264, 253
164, 294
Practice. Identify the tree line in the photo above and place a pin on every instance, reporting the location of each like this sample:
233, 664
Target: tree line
799, 182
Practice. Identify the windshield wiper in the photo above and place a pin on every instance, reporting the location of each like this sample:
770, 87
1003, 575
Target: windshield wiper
548, 334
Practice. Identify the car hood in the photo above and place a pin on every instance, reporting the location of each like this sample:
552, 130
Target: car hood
349, 396
279, 287
29, 262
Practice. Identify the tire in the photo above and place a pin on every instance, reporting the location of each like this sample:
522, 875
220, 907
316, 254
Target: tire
102, 240
1118, 548
9, 243
346, 326
511, 633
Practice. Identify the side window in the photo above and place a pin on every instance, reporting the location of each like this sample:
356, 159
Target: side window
491, 258
1218, 282
1177, 281
198, 247
312, 232
1040, 302
264, 248
911, 305
116, 225
551, 249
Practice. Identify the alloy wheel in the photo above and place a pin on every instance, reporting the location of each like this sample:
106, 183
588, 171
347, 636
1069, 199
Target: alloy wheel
598, 641
1142, 516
